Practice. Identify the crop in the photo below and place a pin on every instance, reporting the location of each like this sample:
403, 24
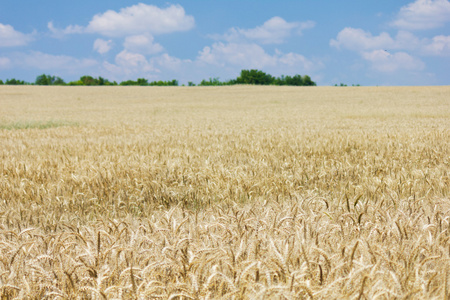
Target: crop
225, 192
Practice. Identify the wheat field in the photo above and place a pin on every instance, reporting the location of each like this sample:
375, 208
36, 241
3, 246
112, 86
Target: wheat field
236, 192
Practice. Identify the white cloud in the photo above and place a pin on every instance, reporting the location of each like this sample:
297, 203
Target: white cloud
5, 63
253, 56
440, 46
9, 37
407, 40
357, 39
274, 31
172, 63
244, 55
362, 41
102, 46
423, 14
139, 19
126, 58
59, 33
43, 61
373, 49
294, 60
143, 44
130, 63
384, 61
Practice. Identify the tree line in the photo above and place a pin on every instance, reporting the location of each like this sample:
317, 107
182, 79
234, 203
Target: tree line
246, 77
87, 80
260, 78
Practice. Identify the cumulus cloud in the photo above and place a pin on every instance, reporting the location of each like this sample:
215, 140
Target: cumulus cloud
172, 63
59, 33
245, 55
143, 43
133, 65
139, 19
129, 63
357, 39
43, 61
440, 46
295, 59
253, 56
9, 37
388, 53
274, 31
374, 49
133, 20
407, 40
239, 49
384, 61
5, 63
126, 58
423, 14
102, 46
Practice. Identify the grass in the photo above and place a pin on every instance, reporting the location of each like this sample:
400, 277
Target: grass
232, 192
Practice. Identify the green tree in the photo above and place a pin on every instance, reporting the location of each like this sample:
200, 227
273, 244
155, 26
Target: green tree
78, 82
58, 81
173, 82
142, 82
307, 81
211, 82
42, 80
14, 81
88, 80
297, 80
48, 80
254, 77
128, 82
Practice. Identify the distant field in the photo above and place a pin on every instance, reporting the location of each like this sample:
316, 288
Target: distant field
237, 192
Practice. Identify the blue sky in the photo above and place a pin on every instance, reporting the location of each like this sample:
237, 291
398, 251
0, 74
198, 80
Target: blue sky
354, 42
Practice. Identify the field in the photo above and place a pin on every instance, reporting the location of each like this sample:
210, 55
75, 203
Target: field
237, 192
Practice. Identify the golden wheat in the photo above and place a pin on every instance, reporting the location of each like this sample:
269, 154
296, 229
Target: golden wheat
233, 192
